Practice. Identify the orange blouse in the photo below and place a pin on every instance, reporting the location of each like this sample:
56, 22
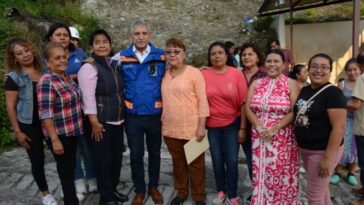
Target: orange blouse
184, 102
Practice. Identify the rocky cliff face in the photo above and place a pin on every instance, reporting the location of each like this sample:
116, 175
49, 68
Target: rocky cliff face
197, 22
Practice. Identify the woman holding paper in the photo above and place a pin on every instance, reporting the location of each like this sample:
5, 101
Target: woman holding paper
185, 109
275, 153
226, 90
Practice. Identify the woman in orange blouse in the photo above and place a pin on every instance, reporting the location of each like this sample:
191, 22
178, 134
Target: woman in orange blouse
185, 109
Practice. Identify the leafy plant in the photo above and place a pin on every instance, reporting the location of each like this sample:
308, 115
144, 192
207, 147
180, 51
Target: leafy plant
7, 139
261, 31
60, 10
337, 12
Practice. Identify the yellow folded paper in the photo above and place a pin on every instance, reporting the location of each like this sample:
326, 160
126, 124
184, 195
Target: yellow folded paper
194, 149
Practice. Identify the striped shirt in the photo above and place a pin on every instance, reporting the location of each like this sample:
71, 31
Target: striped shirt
60, 100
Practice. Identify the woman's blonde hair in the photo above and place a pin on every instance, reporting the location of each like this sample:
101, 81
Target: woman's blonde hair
11, 64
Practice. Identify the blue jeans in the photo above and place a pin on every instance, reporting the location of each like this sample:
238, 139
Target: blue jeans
83, 153
359, 140
224, 148
247, 148
135, 127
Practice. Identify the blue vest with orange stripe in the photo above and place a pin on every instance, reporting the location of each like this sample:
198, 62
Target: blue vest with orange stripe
143, 81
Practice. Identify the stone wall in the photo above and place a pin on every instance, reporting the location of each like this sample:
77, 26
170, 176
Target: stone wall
197, 22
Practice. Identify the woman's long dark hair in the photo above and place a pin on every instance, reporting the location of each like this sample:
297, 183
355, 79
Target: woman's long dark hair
229, 61
256, 50
56, 26
100, 32
296, 71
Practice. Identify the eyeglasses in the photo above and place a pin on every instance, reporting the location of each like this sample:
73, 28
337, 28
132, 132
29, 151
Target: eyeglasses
322, 67
175, 52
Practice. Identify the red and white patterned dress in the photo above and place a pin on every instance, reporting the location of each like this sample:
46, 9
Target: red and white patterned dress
275, 163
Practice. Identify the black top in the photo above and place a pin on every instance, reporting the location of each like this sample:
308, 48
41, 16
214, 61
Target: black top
313, 126
10, 85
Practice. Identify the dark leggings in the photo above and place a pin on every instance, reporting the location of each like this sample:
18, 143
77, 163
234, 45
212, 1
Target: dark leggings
36, 153
66, 167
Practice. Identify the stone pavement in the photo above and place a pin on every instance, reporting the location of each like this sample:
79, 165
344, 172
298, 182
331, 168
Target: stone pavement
17, 186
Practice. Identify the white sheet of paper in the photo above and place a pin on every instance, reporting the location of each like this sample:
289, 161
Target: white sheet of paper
194, 149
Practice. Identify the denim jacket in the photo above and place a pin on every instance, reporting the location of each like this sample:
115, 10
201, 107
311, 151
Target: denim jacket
24, 106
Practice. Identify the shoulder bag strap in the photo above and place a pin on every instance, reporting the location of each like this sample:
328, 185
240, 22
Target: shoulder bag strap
305, 105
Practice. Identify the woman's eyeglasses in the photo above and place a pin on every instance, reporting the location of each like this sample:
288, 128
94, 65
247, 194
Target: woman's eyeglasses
315, 67
174, 52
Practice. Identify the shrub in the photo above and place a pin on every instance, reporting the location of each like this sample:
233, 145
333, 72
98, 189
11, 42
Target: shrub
60, 10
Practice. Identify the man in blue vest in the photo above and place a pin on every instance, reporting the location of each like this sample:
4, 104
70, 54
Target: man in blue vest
143, 66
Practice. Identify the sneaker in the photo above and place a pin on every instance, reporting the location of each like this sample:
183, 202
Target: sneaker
92, 185
233, 201
126, 152
352, 179
220, 198
302, 170
80, 185
120, 197
358, 191
49, 200
335, 178
81, 196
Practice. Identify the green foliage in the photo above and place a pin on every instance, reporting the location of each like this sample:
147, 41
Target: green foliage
262, 24
263, 33
68, 12
7, 139
60, 10
337, 12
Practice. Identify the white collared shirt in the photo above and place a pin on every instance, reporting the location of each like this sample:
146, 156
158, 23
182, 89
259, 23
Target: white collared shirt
141, 56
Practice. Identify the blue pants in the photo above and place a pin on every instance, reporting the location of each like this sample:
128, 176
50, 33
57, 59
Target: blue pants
247, 148
135, 127
224, 148
84, 154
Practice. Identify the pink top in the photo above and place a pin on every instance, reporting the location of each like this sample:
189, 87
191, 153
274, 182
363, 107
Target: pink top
226, 93
87, 81
184, 102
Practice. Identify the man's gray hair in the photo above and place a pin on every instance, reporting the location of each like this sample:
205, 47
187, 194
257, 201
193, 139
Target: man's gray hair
139, 22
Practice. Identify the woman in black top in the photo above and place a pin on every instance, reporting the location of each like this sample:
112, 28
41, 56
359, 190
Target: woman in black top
23, 62
320, 126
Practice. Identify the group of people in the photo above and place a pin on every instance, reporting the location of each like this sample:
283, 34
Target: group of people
80, 105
